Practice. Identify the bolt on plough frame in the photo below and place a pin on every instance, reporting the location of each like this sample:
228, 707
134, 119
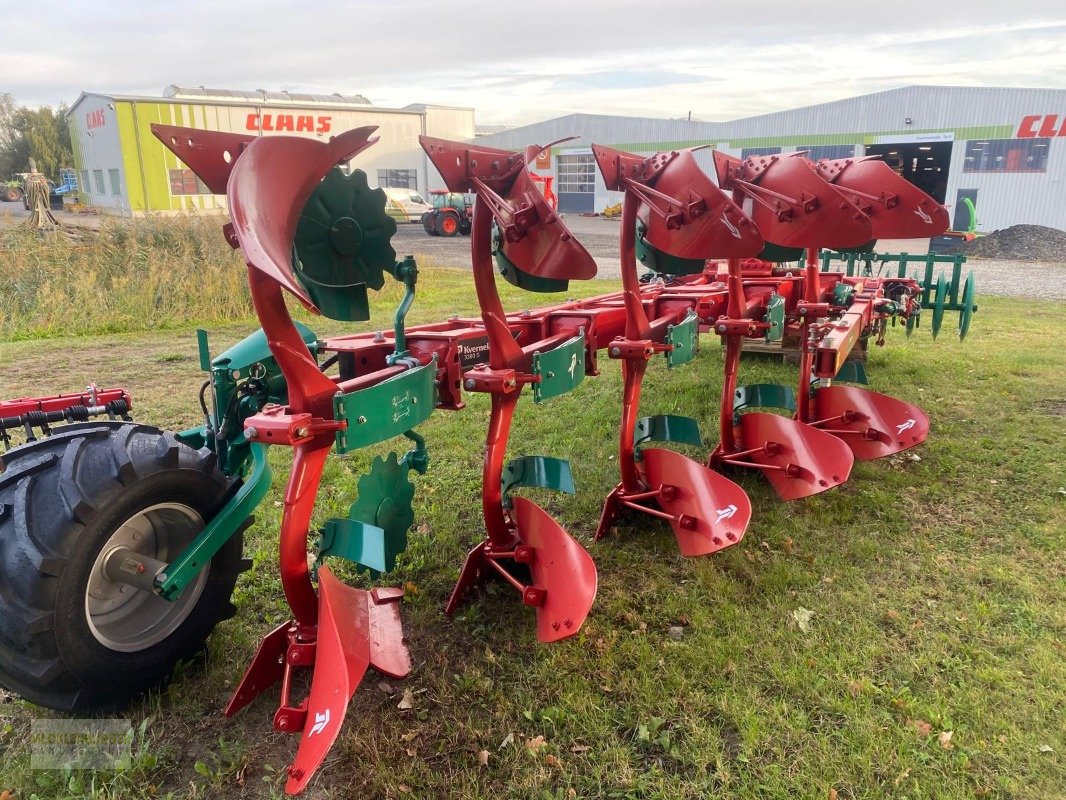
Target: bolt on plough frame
308, 230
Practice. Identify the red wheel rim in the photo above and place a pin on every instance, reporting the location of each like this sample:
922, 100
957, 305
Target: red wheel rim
450, 225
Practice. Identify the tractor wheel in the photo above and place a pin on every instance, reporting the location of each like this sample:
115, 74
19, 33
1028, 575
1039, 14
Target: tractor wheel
70, 638
448, 224
428, 223
10, 194
464, 227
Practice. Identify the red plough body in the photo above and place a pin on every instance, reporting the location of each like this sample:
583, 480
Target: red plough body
521, 537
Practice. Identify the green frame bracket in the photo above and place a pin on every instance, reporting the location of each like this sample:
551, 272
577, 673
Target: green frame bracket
537, 472
775, 318
389, 409
184, 569
667, 428
561, 369
684, 340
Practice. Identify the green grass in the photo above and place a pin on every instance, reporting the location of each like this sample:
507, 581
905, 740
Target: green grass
936, 586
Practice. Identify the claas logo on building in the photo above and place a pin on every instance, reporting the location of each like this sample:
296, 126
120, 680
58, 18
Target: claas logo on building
94, 119
297, 123
1042, 125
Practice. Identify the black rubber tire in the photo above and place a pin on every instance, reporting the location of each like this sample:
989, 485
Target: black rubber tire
447, 224
428, 223
61, 498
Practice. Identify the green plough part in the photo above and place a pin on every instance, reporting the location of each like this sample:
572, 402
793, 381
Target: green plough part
184, 569
684, 341
763, 395
843, 294
561, 369
354, 541
523, 280
775, 317
667, 428
537, 472
663, 263
852, 372
343, 245
389, 409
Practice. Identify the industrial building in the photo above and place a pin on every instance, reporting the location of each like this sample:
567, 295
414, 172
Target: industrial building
1003, 148
122, 167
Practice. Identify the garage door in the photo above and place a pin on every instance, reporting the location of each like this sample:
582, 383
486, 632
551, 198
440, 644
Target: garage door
576, 182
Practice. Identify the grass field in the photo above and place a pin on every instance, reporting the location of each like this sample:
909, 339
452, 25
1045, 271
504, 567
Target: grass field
932, 666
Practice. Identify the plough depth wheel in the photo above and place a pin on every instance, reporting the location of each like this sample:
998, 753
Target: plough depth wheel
71, 635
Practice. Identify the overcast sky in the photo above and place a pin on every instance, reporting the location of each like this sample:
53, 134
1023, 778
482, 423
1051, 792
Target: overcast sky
521, 62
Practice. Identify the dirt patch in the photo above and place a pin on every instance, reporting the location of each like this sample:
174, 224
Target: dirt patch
1021, 242
1054, 408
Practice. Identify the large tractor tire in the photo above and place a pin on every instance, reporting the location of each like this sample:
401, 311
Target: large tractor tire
448, 224
429, 224
70, 638
10, 194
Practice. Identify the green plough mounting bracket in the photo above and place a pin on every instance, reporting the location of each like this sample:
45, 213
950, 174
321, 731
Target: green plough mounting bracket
389, 409
561, 369
775, 318
683, 339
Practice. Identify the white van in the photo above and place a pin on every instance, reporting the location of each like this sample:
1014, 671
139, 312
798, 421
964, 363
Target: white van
405, 205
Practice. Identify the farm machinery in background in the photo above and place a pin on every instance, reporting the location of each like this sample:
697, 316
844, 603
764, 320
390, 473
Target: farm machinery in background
124, 541
451, 214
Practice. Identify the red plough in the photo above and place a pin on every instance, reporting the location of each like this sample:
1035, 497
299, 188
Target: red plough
686, 216
537, 252
338, 631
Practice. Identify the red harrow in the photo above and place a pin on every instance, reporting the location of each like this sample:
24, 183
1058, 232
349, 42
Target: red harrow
307, 229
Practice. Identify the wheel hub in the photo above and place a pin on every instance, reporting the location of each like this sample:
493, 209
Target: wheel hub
127, 619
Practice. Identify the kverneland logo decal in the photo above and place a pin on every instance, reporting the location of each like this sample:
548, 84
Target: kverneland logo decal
1042, 125
289, 122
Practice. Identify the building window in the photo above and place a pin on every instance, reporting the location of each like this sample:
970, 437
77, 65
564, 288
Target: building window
116, 186
1006, 155
577, 173
828, 151
398, 178
748, 152
85, 181
98, 176
184, 181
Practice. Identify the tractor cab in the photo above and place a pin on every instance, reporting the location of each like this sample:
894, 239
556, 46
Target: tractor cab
451, 213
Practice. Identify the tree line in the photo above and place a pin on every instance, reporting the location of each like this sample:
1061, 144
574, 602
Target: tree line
38, 133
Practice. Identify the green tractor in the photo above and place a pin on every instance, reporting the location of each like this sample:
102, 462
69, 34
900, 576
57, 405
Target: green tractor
451, 213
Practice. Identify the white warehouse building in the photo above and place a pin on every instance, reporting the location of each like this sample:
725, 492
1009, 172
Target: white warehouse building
1005, 149
124, 169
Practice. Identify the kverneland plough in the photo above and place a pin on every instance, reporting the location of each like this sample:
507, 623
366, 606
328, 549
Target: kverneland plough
123, 542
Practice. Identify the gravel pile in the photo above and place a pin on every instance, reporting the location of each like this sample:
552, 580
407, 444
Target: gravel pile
1018, 243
